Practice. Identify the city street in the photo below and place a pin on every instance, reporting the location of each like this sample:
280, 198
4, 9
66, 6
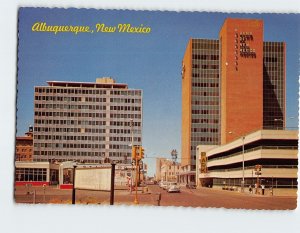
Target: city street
203, 197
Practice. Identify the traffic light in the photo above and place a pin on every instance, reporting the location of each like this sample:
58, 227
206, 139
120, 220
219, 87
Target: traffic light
133, 153
141, 152
137, 152
258, 167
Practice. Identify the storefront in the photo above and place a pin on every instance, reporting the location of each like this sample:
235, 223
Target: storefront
36, 173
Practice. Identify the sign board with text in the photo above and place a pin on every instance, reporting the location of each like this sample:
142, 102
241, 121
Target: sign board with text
203, 163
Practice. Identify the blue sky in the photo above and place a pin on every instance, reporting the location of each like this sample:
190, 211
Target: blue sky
151, 62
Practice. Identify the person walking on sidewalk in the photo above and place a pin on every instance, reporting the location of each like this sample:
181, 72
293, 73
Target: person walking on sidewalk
263, 189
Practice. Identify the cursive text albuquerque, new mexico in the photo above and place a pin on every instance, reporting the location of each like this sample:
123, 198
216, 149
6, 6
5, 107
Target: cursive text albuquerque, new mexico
99, 27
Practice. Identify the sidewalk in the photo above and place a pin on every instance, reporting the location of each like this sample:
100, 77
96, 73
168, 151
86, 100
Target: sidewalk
53, 195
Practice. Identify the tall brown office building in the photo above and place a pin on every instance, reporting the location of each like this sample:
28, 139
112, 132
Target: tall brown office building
234, 84
200, 101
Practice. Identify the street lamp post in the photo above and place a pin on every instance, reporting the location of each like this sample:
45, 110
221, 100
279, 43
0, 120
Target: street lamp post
136, 180
243, 181
141, 165
131, 129
243, 163
174, 158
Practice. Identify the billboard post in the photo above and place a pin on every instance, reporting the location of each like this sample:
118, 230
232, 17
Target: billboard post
112, 183
73, 190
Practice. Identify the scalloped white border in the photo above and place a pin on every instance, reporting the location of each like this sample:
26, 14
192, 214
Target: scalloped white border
20, 218
229, 6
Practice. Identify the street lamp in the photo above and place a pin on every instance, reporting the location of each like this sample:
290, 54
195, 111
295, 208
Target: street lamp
174, 158
281, 120
278, 120
279, 124
243, 176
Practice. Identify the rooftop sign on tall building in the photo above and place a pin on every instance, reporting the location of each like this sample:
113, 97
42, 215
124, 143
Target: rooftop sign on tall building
233, 84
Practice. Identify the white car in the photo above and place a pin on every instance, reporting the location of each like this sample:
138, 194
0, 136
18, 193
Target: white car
164, 185
160, 183
173, 189
170, 184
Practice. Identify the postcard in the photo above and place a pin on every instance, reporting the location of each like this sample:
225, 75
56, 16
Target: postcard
157, 108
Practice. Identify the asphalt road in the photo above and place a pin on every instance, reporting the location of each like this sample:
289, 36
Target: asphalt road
206, 197
203, 197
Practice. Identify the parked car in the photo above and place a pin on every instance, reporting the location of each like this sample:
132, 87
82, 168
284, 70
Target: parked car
142, 184
170, 184
173, 189
149, 182
161, 183
164, 185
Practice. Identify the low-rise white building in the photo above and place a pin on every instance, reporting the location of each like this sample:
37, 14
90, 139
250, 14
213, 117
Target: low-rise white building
267, 158
46, 173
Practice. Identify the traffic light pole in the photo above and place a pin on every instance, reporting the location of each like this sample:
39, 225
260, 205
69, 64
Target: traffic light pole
137, 155
139, 180
136, 181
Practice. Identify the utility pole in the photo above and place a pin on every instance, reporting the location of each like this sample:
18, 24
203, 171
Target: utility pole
136, 180
174, 158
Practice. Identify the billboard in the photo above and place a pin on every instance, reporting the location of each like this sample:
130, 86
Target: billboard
93, 178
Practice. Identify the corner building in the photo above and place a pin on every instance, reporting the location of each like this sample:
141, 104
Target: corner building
234, 84
24, 146
276, 151
86, 122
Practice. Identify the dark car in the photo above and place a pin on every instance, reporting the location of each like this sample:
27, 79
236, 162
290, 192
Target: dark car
191, 186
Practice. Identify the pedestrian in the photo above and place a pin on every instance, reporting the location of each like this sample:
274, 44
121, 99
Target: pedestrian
250, 189
263, 189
